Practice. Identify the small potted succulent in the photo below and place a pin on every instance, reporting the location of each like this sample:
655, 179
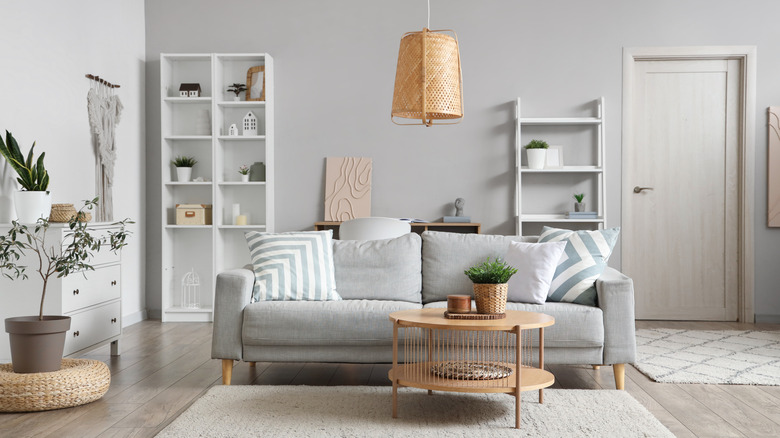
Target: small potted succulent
536, 151
237, 89
490, 285
33, 201
184, 167
243, 170
579, 205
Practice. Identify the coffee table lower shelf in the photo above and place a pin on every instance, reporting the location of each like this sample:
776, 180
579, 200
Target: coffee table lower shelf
411, 375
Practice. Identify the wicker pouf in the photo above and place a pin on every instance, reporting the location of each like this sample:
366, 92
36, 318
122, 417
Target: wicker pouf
80, 381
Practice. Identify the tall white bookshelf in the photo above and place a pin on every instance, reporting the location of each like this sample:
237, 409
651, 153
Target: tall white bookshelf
582, 140
199, 127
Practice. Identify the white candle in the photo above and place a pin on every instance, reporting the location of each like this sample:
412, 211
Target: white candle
241, 219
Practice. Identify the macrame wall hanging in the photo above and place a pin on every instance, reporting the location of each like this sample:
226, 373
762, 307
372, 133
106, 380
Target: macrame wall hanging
104, 109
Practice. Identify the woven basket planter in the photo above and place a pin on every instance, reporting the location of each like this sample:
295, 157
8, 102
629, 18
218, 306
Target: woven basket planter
491, 298
64, 212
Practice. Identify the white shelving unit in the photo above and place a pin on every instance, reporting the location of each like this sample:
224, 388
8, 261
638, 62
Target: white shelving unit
558, 180
198, 126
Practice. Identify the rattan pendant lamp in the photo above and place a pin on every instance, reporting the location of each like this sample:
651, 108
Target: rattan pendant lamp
428, 79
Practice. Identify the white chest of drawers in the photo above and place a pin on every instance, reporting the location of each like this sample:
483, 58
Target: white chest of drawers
93, 301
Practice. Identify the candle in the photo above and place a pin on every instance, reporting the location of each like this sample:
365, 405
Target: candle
458, 303
241, 219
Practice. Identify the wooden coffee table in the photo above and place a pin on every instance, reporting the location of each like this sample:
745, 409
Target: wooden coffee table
441, 354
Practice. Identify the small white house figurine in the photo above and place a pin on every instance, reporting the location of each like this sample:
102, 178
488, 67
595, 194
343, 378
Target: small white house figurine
233, 131
189, 90
250, 124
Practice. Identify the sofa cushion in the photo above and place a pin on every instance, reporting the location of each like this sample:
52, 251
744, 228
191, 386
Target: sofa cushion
347, 322
535, 264
576, 326
292, 266
389, 269
446, 255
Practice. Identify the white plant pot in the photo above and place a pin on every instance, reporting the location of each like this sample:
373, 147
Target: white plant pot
183, 174
30, 206
536, 158
244, 178
236, 98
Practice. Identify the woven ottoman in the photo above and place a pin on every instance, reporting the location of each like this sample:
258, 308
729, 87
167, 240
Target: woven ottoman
80, 381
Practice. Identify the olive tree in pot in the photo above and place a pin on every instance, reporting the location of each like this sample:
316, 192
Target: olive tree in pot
37, 342
33, 201
490, 285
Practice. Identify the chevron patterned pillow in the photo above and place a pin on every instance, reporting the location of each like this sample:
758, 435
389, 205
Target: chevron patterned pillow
582, 262
294, 266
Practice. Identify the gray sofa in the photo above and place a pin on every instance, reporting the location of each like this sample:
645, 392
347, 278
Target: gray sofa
376, 278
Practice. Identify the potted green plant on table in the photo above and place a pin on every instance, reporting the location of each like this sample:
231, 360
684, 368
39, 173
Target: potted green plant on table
490, 285
184, 167
33, 201
237, 89
536, 152
37, 342
579, 205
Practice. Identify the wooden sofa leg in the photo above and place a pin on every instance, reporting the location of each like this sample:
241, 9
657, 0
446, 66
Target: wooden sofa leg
620, 375
596, 367
251, 364
227, 371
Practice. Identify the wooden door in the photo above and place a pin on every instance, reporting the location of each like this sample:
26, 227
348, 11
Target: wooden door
680, 188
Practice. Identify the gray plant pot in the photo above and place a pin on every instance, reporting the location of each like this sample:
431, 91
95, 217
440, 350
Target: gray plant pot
579, 206
37, 345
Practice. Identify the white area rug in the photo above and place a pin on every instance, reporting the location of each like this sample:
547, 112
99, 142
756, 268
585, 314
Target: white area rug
739, 357
365, 411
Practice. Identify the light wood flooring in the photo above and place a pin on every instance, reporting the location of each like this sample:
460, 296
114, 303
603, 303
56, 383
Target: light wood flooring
165, 367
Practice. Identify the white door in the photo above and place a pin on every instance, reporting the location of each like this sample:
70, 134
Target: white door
680, 188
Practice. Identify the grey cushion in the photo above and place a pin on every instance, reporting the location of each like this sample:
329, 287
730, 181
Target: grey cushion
387, 269
446, 255
576, 326
346, 322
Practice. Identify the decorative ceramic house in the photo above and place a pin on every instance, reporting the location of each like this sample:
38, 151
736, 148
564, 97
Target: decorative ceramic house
189, 90
233, 130
250, 124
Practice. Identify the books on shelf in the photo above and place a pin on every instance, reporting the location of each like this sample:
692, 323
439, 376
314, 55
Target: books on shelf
582, 215
456, 219
413, 221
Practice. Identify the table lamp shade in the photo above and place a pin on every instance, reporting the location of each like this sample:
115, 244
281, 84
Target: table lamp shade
428, 80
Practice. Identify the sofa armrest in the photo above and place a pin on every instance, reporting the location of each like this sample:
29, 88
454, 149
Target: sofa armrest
233, 292
616, 300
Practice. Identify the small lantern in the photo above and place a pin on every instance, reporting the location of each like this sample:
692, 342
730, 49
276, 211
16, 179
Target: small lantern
190, 290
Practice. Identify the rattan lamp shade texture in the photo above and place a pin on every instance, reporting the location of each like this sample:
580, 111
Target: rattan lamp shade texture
428, 80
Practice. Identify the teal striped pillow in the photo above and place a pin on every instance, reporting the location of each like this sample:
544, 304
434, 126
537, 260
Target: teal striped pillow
294, 266
582, 262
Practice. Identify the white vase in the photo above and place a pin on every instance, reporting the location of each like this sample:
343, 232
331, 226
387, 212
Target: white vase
30, 206
183, 174
236, 98
536, 158
245, 178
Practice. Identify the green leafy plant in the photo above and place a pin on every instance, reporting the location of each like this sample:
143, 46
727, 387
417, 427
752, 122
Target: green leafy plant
33, 176
74, 255
487, 272
236, 88
579, 197
537, 144
184, 161
243, 169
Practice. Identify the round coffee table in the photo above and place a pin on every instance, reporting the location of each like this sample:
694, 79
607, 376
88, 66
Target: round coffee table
460, 355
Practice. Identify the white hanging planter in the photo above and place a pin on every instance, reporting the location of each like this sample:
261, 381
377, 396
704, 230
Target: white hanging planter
183, 174
536, 158
31, 206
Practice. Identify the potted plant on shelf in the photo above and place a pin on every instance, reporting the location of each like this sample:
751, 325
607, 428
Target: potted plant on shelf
490, 285
237, 89
33, 201
243, 170
37, 342
184, 167
579, 205
536, 151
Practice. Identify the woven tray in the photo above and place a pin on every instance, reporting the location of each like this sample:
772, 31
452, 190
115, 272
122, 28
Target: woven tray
474, 315
471, 371
80, 381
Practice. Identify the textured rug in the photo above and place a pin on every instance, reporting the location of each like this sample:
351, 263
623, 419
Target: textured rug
364, 411
739, 357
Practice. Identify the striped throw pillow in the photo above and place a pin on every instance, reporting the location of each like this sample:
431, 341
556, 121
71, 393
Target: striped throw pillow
582, 262
294, 266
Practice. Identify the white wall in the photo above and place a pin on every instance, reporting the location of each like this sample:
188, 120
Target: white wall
47, 48
335, 64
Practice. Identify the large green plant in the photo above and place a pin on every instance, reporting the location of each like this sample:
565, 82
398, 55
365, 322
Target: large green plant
33, 177
73, 256
487, 272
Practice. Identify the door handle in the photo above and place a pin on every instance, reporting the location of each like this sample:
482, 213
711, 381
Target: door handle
638, 189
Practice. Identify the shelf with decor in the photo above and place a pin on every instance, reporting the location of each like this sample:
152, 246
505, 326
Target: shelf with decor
545, 195
198, 126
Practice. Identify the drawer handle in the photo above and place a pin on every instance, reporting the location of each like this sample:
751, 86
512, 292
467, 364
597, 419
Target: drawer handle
76, 292
113, 283
113, 320
189, 214
76, 333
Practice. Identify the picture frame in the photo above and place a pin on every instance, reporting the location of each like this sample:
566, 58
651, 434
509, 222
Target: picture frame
554, 158
255, 83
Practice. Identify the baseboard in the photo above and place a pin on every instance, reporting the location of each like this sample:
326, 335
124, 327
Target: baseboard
134, 318
767, 319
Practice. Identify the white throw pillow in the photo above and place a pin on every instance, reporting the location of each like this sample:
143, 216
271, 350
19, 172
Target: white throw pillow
535, 264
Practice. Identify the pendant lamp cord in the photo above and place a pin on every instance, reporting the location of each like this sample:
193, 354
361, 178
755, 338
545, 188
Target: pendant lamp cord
429, 14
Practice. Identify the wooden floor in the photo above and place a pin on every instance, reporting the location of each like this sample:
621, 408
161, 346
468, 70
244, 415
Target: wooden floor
165, 367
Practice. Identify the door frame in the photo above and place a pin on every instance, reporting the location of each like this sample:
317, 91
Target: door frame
746, 55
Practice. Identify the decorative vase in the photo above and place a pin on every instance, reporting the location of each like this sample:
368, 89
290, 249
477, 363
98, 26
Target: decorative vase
491, 298
257, 171
579, 206
30, 206
536, 158
236, 98
37, 345
183, 174
245, 178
